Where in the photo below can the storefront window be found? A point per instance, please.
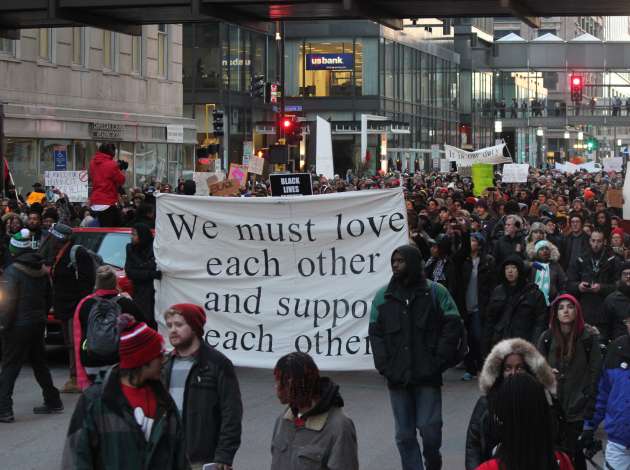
(327, 68)
(22, 160)
(55, 154)
(146, 163)
(125, 153)
(369, 65)
(208, 59)
(162, 159)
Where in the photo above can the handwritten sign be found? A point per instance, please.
(73, 184)
(238, 173)
(256, 165)
(515, 172)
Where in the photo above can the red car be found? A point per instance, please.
(111, 245)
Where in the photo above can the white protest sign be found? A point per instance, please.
(613, 164)
(626, 197)
(515, 173)
(74, 184)
(445, 166)
(464, 158)
(256, 165)
(567, 167)
(276, 275)
(201, 180)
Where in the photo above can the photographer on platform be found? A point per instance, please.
(106, 176)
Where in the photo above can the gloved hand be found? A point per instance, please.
(587, 439)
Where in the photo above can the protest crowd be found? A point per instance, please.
(526, 286)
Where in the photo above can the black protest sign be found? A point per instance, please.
(291, 184)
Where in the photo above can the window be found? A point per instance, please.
(45, 44)
(136, 54)
(109, 50)
(162, 39)
(78, 44)
(7, 47)
(329, 68)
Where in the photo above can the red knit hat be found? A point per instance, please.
(618, 231)
(139, 345)
(195, 316)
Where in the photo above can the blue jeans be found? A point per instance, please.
(617, 456)
(418, 408)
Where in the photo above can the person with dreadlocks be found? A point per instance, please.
(313, 431)
(522, 415)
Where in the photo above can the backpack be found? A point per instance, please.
(102, 335)
(462, 345)
(97, 260)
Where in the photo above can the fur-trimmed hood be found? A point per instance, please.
(536, 363)
(530, 250)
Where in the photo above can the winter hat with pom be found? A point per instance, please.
(139, 344)
(21, 242)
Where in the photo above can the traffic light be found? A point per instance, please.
(592, 144)
(258, 86)
(577, 87)
(291, 129)
(217, 122)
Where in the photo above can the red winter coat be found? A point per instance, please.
(563, 461)
(106, 179)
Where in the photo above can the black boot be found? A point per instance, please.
(7, 417)
(47, 409)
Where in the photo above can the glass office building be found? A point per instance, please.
(343, 69)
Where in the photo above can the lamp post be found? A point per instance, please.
(540, 134)
(567, 137)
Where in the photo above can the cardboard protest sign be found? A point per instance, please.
(74, 184)
(276, 275)
(614, 198)
(515, 173)
(256, 165)
(238, 173)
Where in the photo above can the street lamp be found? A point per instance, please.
(618, 142)
(540, 132)
(580, 135)
(498, 127)
(567, 135)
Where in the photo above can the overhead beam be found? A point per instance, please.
(77, 15)
(523, 12)
(13, 34)
(368, 10)
(229, 14)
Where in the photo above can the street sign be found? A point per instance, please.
(291, 184)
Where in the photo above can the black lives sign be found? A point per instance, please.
(291, 184)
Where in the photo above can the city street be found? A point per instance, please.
(36, 442)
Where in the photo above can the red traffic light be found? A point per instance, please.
(576, 81)
(286, 123)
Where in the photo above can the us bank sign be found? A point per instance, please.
(329, 61)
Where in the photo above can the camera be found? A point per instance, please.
(123, 165)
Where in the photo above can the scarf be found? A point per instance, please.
(543, 279)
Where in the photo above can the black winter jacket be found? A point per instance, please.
(141, 269)
(616, 309)
(586, 269)
(70, 285)
(514, 312)
(486, 281)
(573, 248)
(27, 291)
(414, 331)
(212, 407)
(506, 247)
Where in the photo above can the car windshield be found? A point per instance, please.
(113, 249)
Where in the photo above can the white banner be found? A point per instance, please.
(515, 173)
(613, 164)
(277, 275)
(74, 184)
(464, 158)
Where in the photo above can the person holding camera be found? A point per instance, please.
(592, 277)
(107, 177)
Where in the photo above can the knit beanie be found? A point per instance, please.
(540, 244)
(618, 231)
(138, 345)
(20, 242)
(195, 316)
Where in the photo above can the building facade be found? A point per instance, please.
(66, 90)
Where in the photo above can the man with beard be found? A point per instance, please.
(415, 330)
(617, 305)
(592, 278)
(34, 224)
(512, 243)
(576, 242)
(205, 389)
(313, 432)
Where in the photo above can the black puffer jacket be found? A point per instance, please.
(28, 294)
(141, 269)
(486, 282)
(616, 310)
(507, 247)
(212, 407)
(514, 311)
